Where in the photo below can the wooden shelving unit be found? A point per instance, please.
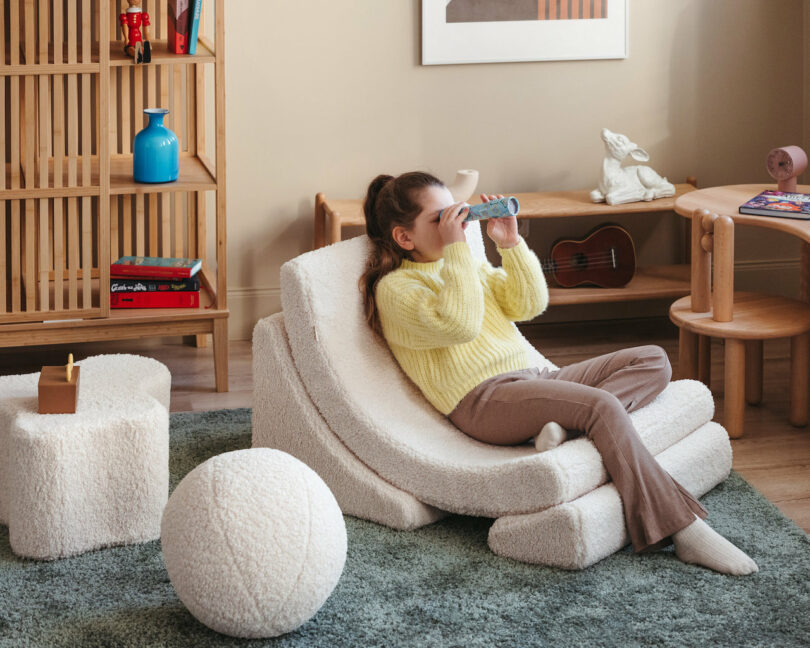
(650, 282)
(71, 104)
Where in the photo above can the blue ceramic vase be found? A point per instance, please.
(156, 152)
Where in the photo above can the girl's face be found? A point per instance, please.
(423, 239)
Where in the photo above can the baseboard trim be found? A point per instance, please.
(247, 306)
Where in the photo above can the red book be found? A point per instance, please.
(155, 300)
(178, 26)
(166, 267)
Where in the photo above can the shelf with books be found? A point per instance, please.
(55, 282)
(162, 56)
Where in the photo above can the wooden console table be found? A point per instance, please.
(651, 282)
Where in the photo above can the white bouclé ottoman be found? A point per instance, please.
(70, 483)
(254, 542)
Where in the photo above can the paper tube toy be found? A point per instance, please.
(501, 208)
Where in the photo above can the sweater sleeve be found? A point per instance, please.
(415, 315)
(519, 286)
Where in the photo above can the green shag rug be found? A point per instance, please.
(436, 586)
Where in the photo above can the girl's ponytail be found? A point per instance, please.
(372, 226)
(389, 202)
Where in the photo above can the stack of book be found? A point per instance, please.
(155, 282)
(184, 25)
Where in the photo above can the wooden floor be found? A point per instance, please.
(773, 455)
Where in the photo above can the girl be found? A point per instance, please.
(447, 318)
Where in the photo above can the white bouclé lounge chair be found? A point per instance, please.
(328, 391)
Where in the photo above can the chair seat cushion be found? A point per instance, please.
(381, 416)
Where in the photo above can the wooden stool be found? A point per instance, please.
(742, 320)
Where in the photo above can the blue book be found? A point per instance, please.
(194, 27)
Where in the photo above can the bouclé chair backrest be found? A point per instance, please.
(475, 240)
(358, 387)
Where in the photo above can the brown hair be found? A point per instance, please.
(389, 202)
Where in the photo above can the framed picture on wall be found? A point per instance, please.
(496, 31)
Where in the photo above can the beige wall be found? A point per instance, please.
(323, 95)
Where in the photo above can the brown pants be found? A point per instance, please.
(594, 397)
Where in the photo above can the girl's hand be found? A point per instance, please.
(452, 225)
(502, 231)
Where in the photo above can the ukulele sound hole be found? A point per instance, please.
(579, 261)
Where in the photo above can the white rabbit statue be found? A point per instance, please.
(621, 185)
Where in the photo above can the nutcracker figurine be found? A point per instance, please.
(135, 45)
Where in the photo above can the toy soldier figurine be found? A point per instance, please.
(135, 45)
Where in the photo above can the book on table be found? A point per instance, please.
(780, 204)
(155, 267)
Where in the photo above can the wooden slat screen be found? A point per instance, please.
(49, 145)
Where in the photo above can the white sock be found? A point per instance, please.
(552, 435)
(698, 543)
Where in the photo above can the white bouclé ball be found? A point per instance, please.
(254, 542)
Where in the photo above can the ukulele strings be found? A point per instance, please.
(597, 261)
(588, 264)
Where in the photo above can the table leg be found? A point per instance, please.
(688, 354)
(804, 284)
(705, 360)
(753, 372)
(734, 410)
(221, 354)
(799, 367)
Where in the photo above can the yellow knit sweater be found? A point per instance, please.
(449, 322)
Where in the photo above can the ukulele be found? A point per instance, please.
(606, 258)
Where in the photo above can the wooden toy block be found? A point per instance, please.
(59, 389)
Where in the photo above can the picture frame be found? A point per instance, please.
(498, 31)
